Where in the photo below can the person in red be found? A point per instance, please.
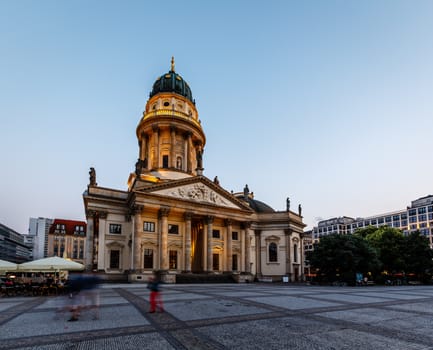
(155, 293)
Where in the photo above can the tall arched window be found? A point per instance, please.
(273, 252)
(295, 253)
(179, 163)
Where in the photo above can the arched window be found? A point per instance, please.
(273, 252)
(179, 163)
(295, 253)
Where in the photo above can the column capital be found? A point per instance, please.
(209, 219)
(228, 222)
(246, 225)
(173, 128)
(257, 233)
(288, 232)
(163, 211)
(90, 213)
(155, 128)
(188, 215)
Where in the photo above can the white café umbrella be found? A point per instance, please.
(7, 266)
(53, 263)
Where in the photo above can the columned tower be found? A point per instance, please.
(170, 137)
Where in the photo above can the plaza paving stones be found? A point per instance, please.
(228, 316)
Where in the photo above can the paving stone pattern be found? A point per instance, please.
(227, 316)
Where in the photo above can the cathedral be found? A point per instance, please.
(174, 220)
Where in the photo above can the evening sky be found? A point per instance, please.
(326, 102)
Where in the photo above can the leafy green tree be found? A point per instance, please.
(389, 244)
(418, 255)
(340, 257)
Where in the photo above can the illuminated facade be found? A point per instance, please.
(175, 220)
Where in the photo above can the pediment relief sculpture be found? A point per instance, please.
(197, 192)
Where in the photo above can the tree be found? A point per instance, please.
(418, 255)
(389, 243)
(340, 257)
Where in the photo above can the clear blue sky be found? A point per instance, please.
(327, 102)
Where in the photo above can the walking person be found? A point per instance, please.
(155, 293)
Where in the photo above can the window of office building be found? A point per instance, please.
(380, 221)
(81, 255)
(412, 219)
(421, 210)
(404, 216)
(388, 219)
(412, 212)
(430, 208)
(404, 223)
(422, 217)
(396, 217)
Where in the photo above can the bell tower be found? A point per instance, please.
(170, 137)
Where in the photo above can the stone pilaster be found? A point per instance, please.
(188, 217)
(209, 221)
(163, 215)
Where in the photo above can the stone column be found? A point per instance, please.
(100, 242)
(188, 217)
(209, 221)
(137, 254)
(163, 215)
(188, 153)
(229, 253)
(258, 253)
(247, 226)
(242, 257)
(172, 147)
(155, 163)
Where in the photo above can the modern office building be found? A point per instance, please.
(12, 246)
(173, 219)
(417, 216)
(38, 236)
(67, 239)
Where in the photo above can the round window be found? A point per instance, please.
(166, 104)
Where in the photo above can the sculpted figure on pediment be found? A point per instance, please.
(198, 192)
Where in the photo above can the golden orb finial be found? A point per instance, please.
(172, 63)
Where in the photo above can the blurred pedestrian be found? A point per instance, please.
(155, 293)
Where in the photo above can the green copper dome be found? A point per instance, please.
(172, 82)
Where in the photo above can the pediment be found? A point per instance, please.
(201, 192)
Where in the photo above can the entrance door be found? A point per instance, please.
(197, 246)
